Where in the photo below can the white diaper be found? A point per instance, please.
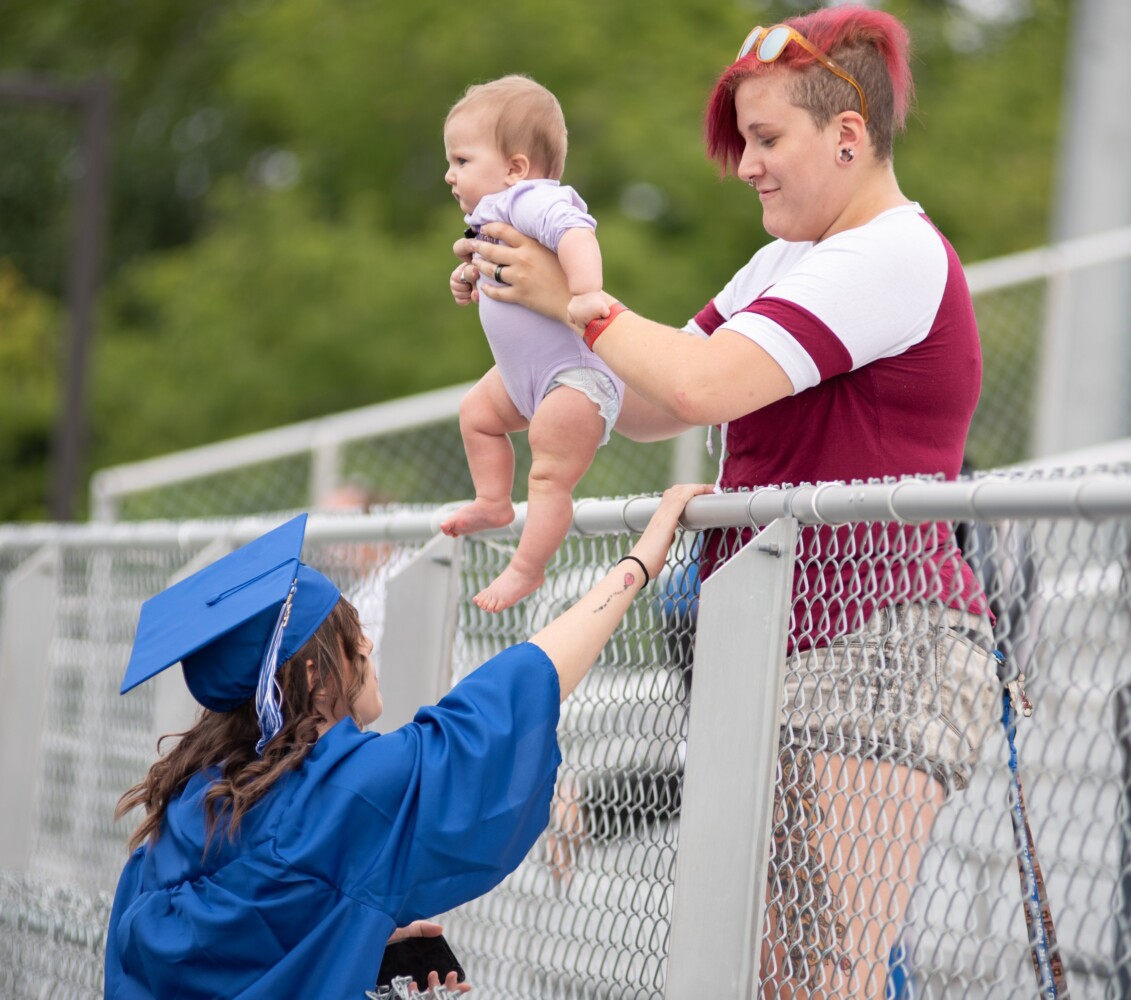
(594, 385)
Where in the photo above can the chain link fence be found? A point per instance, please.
(604, 904)
(1011, 321)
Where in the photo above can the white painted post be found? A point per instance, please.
(325, 469)
(421, 611)
(27, 626)
(1086, 355)
(687, 456)
(732, 748)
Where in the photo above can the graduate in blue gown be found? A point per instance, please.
(282, 846)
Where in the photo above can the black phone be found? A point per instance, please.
(417, 957)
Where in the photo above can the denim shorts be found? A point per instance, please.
(916, 686)
(594, 385)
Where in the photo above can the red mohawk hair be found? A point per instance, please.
(870, 44)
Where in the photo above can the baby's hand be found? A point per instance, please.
(583, 309)
(463, 289)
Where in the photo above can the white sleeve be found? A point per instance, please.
(864, 294)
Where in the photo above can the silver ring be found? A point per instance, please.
(462, 275)
(499, 273)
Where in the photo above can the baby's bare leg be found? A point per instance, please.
(564, 435)
(486, 416)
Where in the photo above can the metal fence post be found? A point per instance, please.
(27, 627)
(728, 784)
(1121, 957)
(105, 504)
(421, 612)
(687, 456)
(325, 469)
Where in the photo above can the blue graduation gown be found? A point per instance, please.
(371, 833)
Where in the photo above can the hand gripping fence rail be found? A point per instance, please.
(793, 768)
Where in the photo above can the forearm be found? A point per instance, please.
(695, 381)
(690, 380)
(574, 640)
(663, 366)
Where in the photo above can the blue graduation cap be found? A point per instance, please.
(232, 623)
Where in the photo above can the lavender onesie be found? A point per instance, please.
(531, 350)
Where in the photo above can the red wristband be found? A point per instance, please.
(597, 326)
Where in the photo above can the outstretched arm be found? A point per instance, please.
(688, 379)
(575, 638)
(694, 381)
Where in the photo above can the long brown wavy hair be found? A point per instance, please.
(227, 739)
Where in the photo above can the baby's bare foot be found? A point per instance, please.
(477, 516)
(509, 587)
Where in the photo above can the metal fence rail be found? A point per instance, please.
(664, 794)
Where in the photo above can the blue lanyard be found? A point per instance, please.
(1038, 915)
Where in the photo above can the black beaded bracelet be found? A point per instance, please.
(643, 569)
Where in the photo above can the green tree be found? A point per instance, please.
(280, 230)
(29, 321)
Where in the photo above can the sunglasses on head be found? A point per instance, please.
(768, 44)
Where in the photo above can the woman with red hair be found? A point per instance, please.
(846, 349)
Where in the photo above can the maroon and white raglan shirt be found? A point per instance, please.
(875, 328)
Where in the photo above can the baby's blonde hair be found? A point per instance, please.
(527, 119)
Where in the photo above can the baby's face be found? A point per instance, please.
(475, 165)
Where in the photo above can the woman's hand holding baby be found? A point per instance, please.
(534, 277)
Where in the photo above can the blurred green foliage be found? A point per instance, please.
(29, 338)
(280, 231)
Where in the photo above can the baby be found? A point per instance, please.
(506, 145)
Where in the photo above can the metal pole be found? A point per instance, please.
(1086, 357)
(82, 291)
(93, 100)
(1121, 957)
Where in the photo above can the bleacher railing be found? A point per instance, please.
(409, 450)
(651, 880)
